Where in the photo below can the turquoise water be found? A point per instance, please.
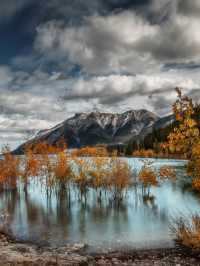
(138, 222)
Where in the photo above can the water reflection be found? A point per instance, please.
(138, 220)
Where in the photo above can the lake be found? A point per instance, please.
(137, 222)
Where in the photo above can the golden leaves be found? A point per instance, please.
(148, 177)
(182, 139)
(167, 172)
(186, 137)
(9, 169)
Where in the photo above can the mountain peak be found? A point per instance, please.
(98, 128)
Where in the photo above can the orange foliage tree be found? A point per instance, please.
(148, 177)
(194, 167)
(81, 177)
(30, 166)
(186, 135)
(167, 173)
(62, 170)
(144, 153)
(9, 169)
(91, 152)
(119, 178)
(46, 161)
(98, 173)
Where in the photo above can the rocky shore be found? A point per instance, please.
(14, 253)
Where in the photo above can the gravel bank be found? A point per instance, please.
(13, 253)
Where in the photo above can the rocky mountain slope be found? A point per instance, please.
(89, 129)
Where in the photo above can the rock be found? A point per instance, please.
(77, 247)
(22, 248)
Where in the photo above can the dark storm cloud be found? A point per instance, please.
(68, 10)
(9, 8)
(20, 18)
(187, 66)
(189, 7)
(195, 94)
(109, 91)
(59, 57)
(160, 102)
(174, 41)
(76, 9)
(112, 42)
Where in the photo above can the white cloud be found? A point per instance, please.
(104, 44)
(122, 42)
(123, 57)
(39, 101)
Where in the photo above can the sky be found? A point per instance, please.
(61, 57)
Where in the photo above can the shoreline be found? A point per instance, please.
(13, 252)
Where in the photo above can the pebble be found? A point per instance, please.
(16, 254)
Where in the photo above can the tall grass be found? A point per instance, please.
(187, 231)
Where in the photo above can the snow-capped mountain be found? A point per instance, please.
(88, 129)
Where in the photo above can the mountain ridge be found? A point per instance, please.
(100, 128)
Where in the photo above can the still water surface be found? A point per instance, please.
(137, 222)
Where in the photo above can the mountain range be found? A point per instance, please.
(97, 128)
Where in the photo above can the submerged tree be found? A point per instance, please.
(62, 170)
(99, 174)
(81, 177)
(167, 173)
(30, 166)
(9, 169)
(148, 177)
(119, 178)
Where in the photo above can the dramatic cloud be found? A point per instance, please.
(122, 42)
(115, 89)
(107, 55)
(178, 40)
(191, 7)
(104, 44)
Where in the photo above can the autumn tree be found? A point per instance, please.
(148, 177)
(193, 167)
(81, 176)
(9, 169)
(98, 173)
(30, 166)
(62, 170)
(186, 135)
(119, 178)
(167, 173)
(185, 139)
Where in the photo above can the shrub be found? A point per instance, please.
(187, 232)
